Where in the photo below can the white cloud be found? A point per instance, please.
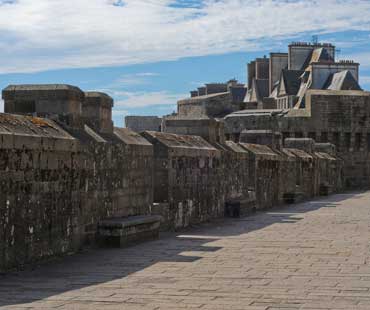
(133, 79)
(39, 35)
(365, 80)
(146, 99)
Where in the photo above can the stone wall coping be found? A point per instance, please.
(121, 223)
(201, 98)
(259, 149)
(181, 141)
(35, 91)
(31, 126)
(130, 137)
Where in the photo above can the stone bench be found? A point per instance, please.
(120, 232)
(240, 206)
(325, 190)
(293, 197)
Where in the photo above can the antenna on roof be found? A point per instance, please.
(315, 39)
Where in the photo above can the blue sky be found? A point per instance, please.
(147, 54)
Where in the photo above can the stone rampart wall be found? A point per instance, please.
(339, 117)
(58, 183)
(56, 187)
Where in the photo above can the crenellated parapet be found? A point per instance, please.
(70, 178)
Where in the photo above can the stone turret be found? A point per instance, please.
(97, 111)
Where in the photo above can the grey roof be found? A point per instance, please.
(262, 88)
(238, 93)
(320, 55)
(258, 112)
(317, 55)
(343, 80)
(292, 81)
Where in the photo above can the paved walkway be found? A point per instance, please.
(309, 256)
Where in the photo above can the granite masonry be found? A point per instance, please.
(69, 178)
(299, 128)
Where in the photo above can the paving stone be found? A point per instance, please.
(256, 263)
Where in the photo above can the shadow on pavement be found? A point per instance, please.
(84, 270)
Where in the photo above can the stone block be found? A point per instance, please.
(120, 232)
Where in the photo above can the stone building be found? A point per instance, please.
(282, 80)
(329, 116)
(304, 93)
(214, 99)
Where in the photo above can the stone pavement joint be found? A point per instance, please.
(313, 255)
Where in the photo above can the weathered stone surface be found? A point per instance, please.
(186, 171)
(338, 117)
(208, 128)
(60, 101)
(142, 123)
(55, 187)
(60, 181)
(128, 230)
(97, 111)
(214, 105)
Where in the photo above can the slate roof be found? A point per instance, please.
(238, 93)
(292, 81)
(320, 55)
(262, 87)
(343, 80)
(250, 112)
(317, 55)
